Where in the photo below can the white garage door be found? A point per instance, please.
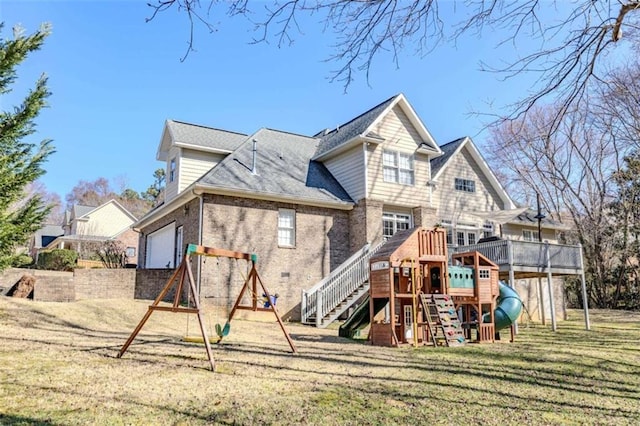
(161, 248)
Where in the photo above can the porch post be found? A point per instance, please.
(512, 280)
(319, 312)
(585, 297)
(543, 315)
(552, 304)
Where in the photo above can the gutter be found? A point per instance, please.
(338, 205)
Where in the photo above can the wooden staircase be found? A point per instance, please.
(440, 315)
(342, 288)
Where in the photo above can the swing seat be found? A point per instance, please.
(223, 331)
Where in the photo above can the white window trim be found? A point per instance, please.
(173, 168)
(397, 167)
(533, 235)
(395, 219)
(292, 228)
(466, 185)
(453, 229)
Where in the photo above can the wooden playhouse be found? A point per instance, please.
(423, 299)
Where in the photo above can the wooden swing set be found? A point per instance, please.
(183, 273)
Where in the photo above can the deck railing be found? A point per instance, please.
(327, 294)
(527, 253)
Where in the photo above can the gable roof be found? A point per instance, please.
(284, 171)
(362, 127)
(351, 129)
(198, 137)
(80, 210)
(46, 234)
(447, 152)
(452, 148)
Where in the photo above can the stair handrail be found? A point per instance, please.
(331, 289)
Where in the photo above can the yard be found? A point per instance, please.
(59, 366)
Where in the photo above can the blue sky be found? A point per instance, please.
(115, 79)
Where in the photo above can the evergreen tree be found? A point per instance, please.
(20, 161)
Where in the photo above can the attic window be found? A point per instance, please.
(398, 167)
(172, 170)
(465, 185)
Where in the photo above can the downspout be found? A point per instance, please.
(366, 174)
(200, 220)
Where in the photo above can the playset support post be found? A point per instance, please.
(184, 271)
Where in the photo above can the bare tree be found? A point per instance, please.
(100, 191)
(571, 170)
(112, 254)
(574, 39)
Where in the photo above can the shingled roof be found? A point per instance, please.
(447, 152)
(284, 169)
(206, 137)
(351, 129)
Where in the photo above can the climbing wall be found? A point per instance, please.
(442, 319)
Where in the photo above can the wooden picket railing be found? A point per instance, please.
(335, 288)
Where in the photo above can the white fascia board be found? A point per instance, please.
(413, 118)
(161, 154)
(201, 148)
(181, 199)
(231, 192)
(355, 141)
(118, 205)
(456, 152)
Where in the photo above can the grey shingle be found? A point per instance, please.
(351, 129)
(80, 210)
(206, 137)
(447, 151)
(528, 218)
(284, 168)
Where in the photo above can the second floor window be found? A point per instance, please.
(398, 167)
(530, 235)
(487, 230)
(465, 185)
(172, 170)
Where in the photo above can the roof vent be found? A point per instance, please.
(255, 155)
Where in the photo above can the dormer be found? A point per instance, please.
(189, 151)
(384, 153)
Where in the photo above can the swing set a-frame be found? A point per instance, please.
(184, 274)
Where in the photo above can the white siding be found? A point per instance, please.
(401, 136)
(171, 188)
(453, 204)
(194, 164)
(106, 221)
(348, 169)
(513, 231)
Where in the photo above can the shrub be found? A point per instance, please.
(57, 260)
(22, 261)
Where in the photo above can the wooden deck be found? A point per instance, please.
(527, 259)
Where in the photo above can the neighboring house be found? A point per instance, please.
(83, 226)
(43, 237)
(307, 204)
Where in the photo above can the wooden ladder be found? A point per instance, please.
(440, 313)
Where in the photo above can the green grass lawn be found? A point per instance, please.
(59, 366)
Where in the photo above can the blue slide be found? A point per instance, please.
(508, 309)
